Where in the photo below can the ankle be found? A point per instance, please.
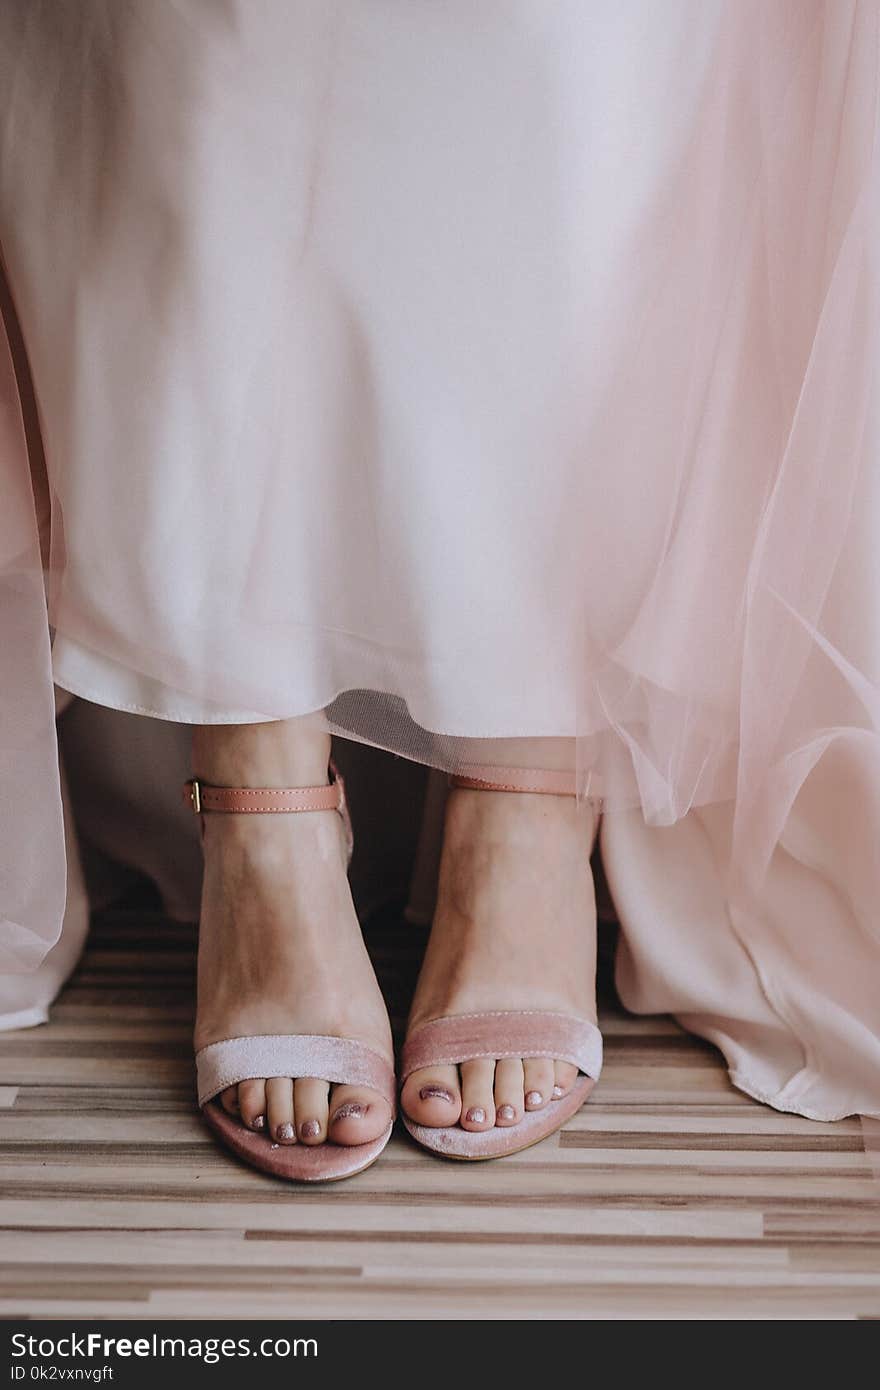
(517, 822)
(280, 753)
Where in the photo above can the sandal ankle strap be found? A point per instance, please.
(204, 796)
(554, 783)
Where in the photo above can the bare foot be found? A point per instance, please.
(514, 928)
(280, 946)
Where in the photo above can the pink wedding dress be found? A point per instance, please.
(498, 382)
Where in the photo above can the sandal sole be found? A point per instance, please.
(472, 1146)
(305, 1163)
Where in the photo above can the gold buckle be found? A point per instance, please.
(195, 795)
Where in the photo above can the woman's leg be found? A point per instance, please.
(280, 946)
(514, 928)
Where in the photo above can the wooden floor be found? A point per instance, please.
(670, 1195)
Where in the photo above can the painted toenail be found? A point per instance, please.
(350, 1111)
(476, 1115)
(557, 1092)
(258, 1122)
(534, 1098)
(284, 1131)
(436, 1093)
(309, 1128)
(506, 1112)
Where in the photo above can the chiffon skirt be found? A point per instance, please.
(498, 385)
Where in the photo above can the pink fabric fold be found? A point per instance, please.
(33, 877)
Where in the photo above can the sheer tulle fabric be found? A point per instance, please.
(498, 384)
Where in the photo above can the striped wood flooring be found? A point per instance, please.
(671, 1195)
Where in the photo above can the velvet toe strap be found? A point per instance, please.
(504, 1033)
(343, 1061)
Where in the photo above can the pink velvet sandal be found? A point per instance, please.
(497, 1034)
(343, 1061)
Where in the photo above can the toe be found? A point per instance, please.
(279, 1109)
(357, 1115)
(432, 1097)
(477, 1095)
(252, 1104)
(229, 1100)
(538, 1080)
(509, 1098)
(310, 1108)
(565, 1075)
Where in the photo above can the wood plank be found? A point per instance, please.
(670, 1195)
